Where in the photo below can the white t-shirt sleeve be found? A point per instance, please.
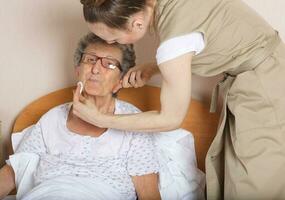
(32, 141)
(175, 47)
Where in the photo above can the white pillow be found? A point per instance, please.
(18, 136)
(179, 176)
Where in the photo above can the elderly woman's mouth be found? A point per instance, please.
(94, 80)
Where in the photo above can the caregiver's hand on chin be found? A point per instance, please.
(85, 108)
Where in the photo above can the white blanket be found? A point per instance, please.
(71, 188)
(63, 187)
(180, 179)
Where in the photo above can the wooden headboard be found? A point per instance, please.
(198, 121)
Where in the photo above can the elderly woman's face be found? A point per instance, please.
(99, 69)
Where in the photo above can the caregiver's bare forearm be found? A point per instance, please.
(170, 117)
(151, 121)
(7, 180)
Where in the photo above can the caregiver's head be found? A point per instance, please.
(101, 65)
(122, 21)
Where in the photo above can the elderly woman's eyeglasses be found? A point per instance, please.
(108, 63)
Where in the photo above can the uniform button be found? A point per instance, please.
(213, 157)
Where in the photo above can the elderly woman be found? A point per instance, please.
(64, 157)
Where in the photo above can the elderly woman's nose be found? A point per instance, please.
(96, 67)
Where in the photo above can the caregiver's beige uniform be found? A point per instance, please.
(247, 158)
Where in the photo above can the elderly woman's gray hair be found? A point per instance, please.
(128, 52)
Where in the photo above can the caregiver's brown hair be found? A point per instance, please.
(113, 13)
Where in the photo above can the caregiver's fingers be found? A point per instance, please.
(139, 80)
(77, 97)
(132, 79)
(126, 78)
(76, 94)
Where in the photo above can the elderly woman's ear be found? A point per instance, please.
(77, 71)
(117, 87)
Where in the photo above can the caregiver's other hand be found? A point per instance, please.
(139, 75)
(85, 108)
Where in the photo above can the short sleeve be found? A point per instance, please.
(142, 158)
(177, 46)
(33, 141)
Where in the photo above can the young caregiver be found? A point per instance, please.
(247, 157)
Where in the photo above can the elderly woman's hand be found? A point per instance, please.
(139, 75)
(85, 108)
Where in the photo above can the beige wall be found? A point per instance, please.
(37, 42)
